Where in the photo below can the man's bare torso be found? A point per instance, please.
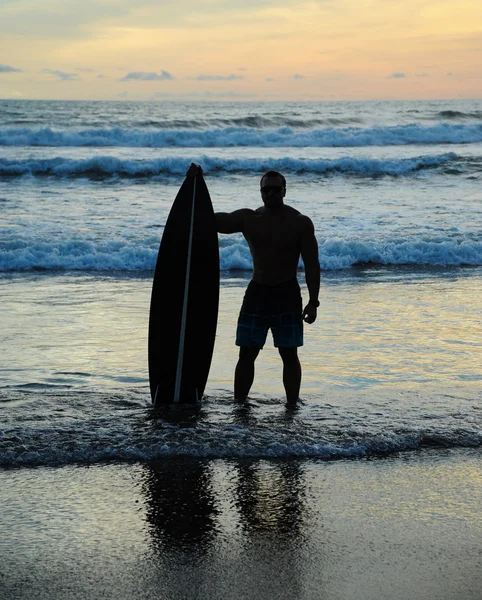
(277, 235)
(274, 238)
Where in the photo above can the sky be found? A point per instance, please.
(240, 49)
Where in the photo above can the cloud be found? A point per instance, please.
(8, 69)
(100, 76)
(218, 77)
(298, 76)
(62, 75)
(397, 76)
(147, 76)
(82, 70)
(449, 74)
(269, 79)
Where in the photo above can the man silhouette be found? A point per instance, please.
(277, 235)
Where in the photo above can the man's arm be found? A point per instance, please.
(231, 222)
(309, 254)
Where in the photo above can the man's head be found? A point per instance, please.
(273, 189)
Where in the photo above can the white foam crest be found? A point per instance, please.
(234, 256)
(138, 255)
(441, 133)
(337, 253)
(108, 166)
(77, 254)
(93, 442)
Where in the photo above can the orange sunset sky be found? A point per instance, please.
(240, 49)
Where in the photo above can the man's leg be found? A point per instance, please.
(291, 373)
(244, 374)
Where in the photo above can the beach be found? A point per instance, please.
(399, 527)
(370, 487)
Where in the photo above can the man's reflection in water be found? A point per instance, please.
(270, 494)
(270, 500)
(270, 497)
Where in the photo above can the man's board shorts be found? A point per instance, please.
(276, 307)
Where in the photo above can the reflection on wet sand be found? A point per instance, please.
(181, 510)
(189, 502)
(180, 507)
(270, 500)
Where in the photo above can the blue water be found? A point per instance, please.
(393, 362)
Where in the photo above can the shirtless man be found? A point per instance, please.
(277, 235)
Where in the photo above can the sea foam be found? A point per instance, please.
(108, 166)
(140, 255)
(92, 441)
(222, 137)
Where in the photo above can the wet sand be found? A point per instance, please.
(408, 526)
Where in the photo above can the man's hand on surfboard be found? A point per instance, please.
(194, 170)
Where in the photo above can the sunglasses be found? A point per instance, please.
(276, 189)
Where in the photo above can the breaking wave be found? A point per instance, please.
(19, 253)
(253, 136)
(110, 428)
(107, 167)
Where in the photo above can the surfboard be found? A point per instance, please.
(185, 298)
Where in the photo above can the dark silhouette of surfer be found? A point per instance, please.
(277, 235)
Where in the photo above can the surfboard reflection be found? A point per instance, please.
(180, 510)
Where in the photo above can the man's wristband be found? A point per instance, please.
(315, 303)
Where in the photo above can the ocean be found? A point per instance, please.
(391, 394)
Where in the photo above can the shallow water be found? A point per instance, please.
(392, 363)
(369, 488)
